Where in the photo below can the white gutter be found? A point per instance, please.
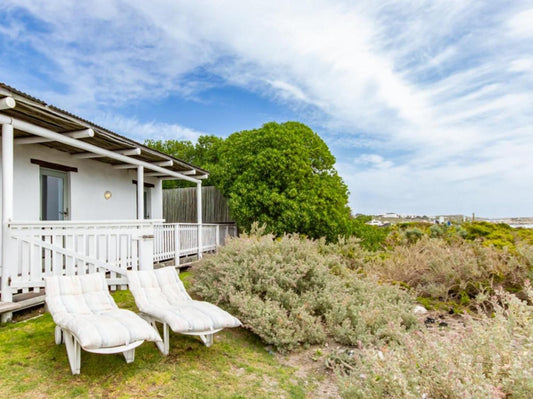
(49, 134)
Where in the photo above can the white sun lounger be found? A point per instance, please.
(87, 318)
(161, 297)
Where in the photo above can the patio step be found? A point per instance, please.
(22, 301)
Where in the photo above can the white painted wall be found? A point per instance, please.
(87, 187)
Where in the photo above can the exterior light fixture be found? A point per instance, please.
(107, 195)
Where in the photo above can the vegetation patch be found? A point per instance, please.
(443, 269)
(236, 366)
(491, 358)
(291, 292)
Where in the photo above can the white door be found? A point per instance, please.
(54, 195)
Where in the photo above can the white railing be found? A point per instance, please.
(175, 240)
(38, 249)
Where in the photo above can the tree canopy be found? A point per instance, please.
(281, 175)
(204, 154)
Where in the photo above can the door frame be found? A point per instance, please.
(66, 190)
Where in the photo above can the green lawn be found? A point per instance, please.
(236, 366)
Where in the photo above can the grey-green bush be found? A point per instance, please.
(491, 358)
(291, 292)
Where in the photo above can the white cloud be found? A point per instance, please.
(288, 91)
(373, 160)
(141, 131)
(521, 24)
(522, 65)
(445, 83)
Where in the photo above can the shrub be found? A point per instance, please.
(353, 254)
(413, 234)
(437, 230)
(491, 358)
(361, 311)
(371, 237)
(455, 270)
(525, 235)
(499, 235)
(291, 291)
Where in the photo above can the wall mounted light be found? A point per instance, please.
(107, 195)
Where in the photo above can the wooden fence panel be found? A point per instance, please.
(179, 206)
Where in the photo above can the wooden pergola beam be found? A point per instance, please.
(87, 155)
(78, 134)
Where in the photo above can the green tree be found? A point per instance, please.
(203, 154)
(282, 175)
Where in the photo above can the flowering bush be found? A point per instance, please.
(291, 292)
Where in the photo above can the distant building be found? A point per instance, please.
(390, 215)
(375, 222)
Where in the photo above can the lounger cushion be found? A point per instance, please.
(161, 294)
(83, 306)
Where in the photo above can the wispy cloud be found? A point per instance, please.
(446, 84)
(141, 131)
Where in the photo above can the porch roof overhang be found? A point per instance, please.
(36, 122)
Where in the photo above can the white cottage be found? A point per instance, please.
(77, 198)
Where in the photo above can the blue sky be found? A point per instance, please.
(426, 105)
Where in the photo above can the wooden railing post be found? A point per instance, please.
(146, 248)
(199, 217)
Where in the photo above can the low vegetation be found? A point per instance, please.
(290, 292)
(344, 303)
(442, 271)
(294, 292)
(492, 357)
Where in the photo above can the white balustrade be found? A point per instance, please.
(175, 240)
(38, 249)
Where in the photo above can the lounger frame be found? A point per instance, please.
(164, 347)
(72, 344)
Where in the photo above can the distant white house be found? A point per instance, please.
(77, 198)
(390, 215)
(375, 222)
